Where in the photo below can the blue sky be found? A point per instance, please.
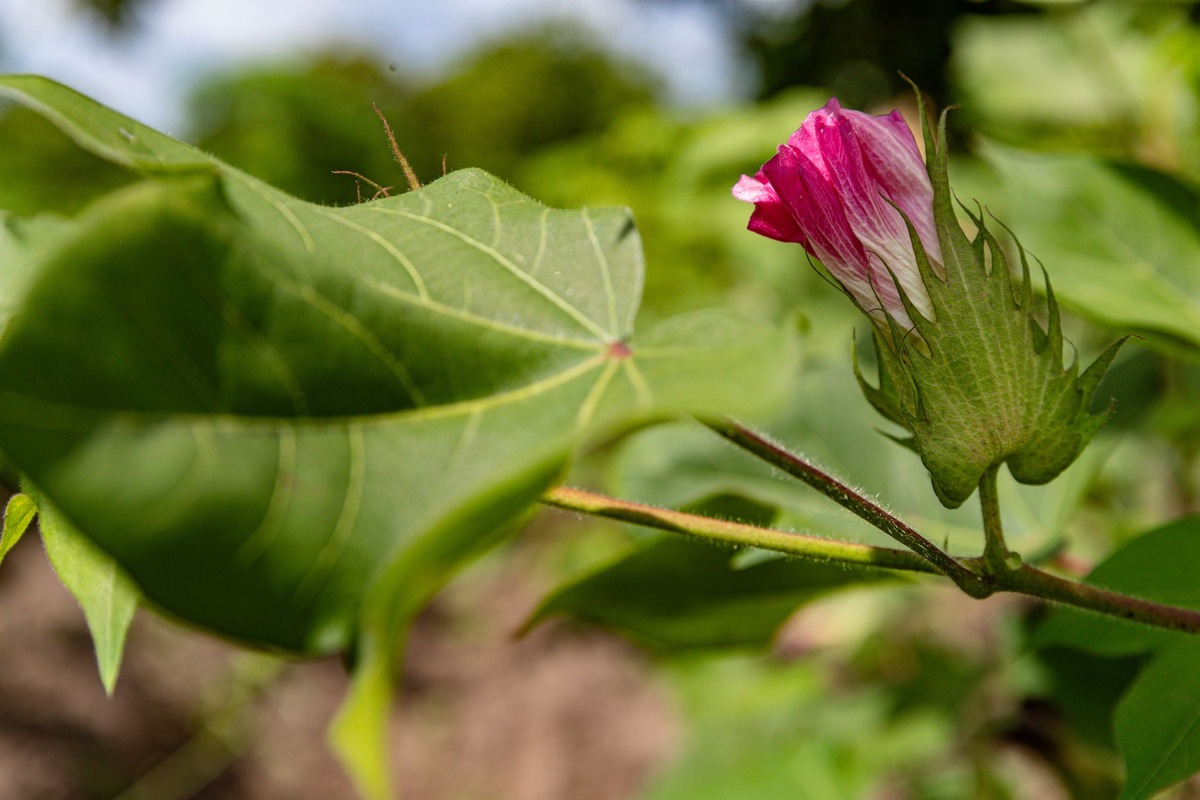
(146, 75)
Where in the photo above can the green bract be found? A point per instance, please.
(982, 383)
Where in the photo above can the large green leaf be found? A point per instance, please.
(260, 405)
(1122, 241)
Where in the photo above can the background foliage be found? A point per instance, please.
(1079, 126)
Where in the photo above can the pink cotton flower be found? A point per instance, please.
(834, 187)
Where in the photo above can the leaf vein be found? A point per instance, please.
(343, 529)
(351, 325)
(546, 292)
(403, 260)
(605, 273)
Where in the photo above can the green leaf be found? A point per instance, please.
(676, 594)
(278, 447)
(1158, 722)
(292, 423)
(21, 243)
(1123, 241)
(19, 512)
(1159, 565)
(297, 395)
(108, 597)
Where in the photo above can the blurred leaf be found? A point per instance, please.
(851, 46)
(1159, 565)
(19, 512)
(22, 242)
(119, 15)
(1087, 688)
(1111, 78)
(677, 594)
(831, 423)
(771, 731)
(293, 126)
(1158, 722)
(1121, 242)
(106, 594)
(1023, 72)
(517, 96)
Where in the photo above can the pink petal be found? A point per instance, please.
(771, 217)
(892, 155)
(818, 211)
(877, 224)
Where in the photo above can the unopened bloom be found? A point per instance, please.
(981, 382)
(835, 187)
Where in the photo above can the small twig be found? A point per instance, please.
(380, 191)
(735, 533)
(1024, 580)
(1034, 582)
(413, 182)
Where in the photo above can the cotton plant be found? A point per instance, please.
(291, 425)
(965, 367)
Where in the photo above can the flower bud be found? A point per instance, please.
(964, 365)
(838, 187)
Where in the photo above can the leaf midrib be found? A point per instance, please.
(72, 412)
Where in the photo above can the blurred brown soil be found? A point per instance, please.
(560, 713)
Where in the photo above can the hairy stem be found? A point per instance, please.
(1024, 580)
(1034, 582)
(970, 582)
(735, 533)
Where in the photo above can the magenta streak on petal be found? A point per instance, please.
(842, 186)
(892, 155)
(878, 225)
(771, 217)
(807, 194)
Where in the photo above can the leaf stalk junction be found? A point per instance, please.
(997, 570)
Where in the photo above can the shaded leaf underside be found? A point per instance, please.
(256, 403)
